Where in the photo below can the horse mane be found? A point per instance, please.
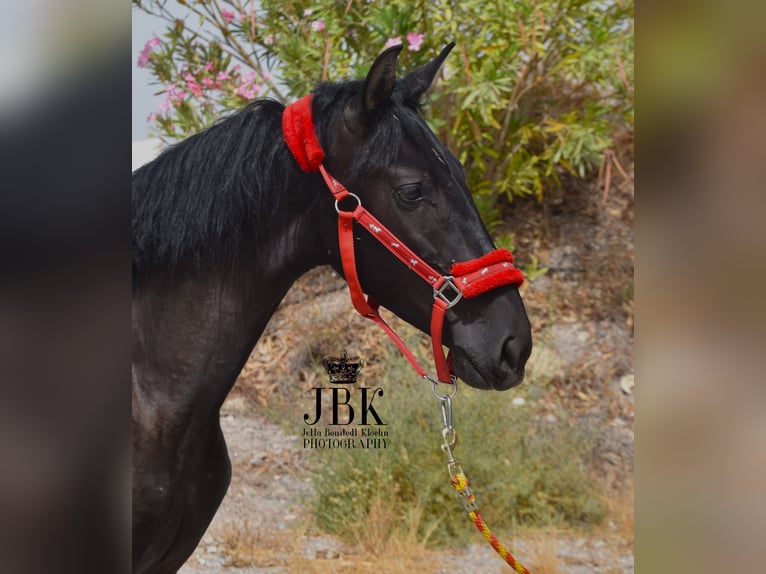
(202, 197)
(203, 194)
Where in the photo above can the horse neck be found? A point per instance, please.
(212, 315)
(284, 253)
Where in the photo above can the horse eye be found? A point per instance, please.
(411, 192)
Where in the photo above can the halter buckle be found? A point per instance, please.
(440, 294)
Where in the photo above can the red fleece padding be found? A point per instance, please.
(505, 277)
(496, 256)
(485, 273)
(300, 136)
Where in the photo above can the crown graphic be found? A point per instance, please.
(343, 370)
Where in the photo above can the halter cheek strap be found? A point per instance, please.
(466, 280)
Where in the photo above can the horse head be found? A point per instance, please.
(379, 146)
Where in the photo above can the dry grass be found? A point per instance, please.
(621, 513)
(363, 564)
(384, 545)
(384, 533)
(243, 545)
(543, 553)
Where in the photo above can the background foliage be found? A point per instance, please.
(534, 89)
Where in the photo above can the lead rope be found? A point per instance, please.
(459, 481)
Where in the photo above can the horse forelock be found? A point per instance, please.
(402, 122)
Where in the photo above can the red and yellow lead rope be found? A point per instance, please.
(460, 483)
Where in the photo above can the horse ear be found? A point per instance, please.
(380, 81)
(416, 83)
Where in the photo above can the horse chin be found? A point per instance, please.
(498, 378)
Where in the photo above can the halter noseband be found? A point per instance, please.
(466, 280)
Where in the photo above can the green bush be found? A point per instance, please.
(522, 469)
(535, 88)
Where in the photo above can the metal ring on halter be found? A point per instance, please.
(355, 196)
(434, 382)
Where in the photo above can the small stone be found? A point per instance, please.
(627, 383)
(258, 458)
(518, 401)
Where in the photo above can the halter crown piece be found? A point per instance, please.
(300, 135)
(467, 279)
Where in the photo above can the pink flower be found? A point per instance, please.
(307, 12)
(208, 82)
(414, 40)
(150, 117)
(174, 96)
(209, 67)
(191, 84)
(143, 57)
(393, 42)
(248, 91)
(223, 75)
(228, 16)
(317, 25)
(194, 88)
(268, 39)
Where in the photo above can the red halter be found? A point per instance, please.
(467, 279)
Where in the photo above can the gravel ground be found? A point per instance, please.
(268, 497)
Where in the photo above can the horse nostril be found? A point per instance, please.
(516, 351)
(510, 354)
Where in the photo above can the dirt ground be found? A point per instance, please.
(582, 317)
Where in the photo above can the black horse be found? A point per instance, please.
(224, 223)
